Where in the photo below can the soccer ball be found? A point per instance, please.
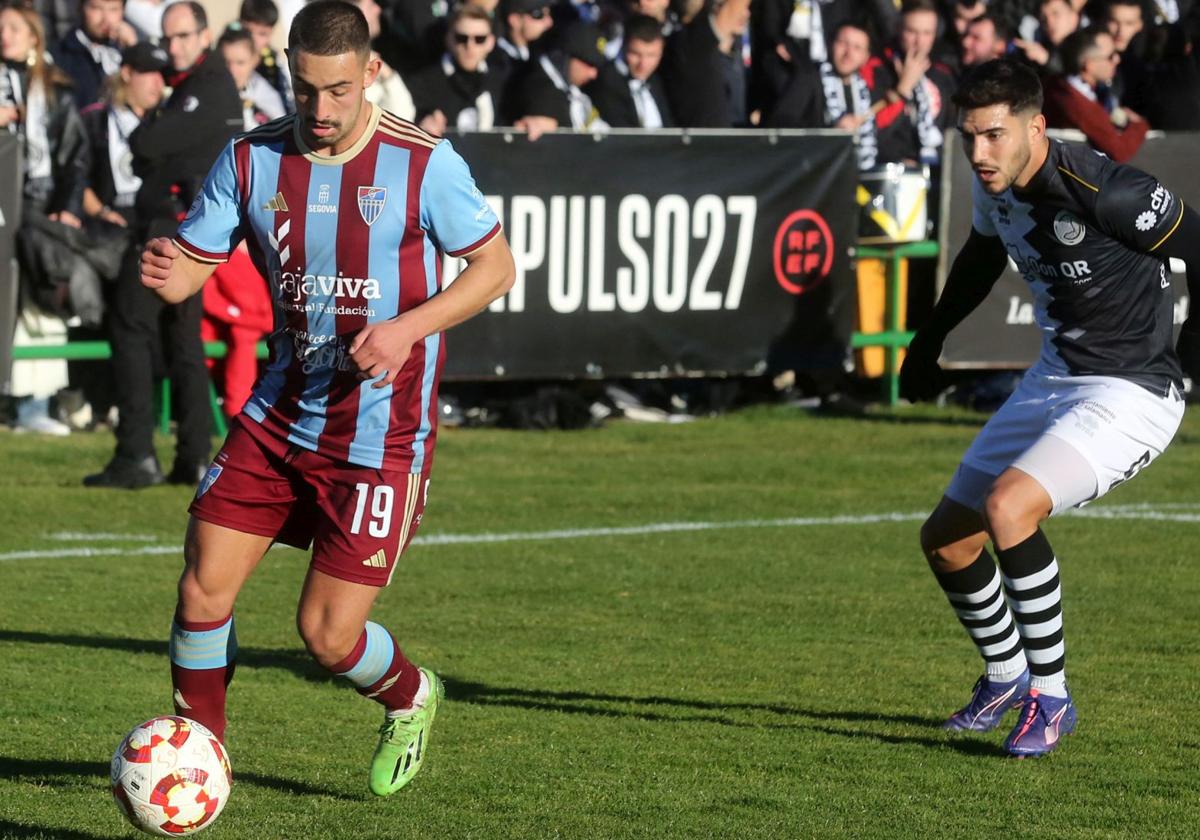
(171, 776)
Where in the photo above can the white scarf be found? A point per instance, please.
(927, 131)
(37, 139)
(121, 123)
(805, 24)
(643, 100)
(108, 57)
(836, 107)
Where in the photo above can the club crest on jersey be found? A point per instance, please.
(210, 478)
(1068, 229)
(370, 202)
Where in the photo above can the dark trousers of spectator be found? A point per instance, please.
(143, 328)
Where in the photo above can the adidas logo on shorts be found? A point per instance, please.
(378, 560)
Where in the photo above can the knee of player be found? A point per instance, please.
(1007, 506)
(323, 642)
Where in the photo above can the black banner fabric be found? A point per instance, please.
(1001, 333)
(662, 254)
(10, 219)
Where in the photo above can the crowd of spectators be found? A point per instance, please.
(120, 106)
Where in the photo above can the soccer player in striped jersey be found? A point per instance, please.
(348, 211)
(1093, 239)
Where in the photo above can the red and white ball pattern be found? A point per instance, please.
(171, 776)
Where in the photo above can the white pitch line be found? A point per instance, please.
(80, 536)
(1115, 512)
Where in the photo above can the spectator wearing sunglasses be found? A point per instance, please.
(1083, 97)
(461, 91)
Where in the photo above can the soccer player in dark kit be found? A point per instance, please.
(348, 211)
(1093, 239)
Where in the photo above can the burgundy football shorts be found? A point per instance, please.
(358, 519)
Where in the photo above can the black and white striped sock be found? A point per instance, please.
(1031, 581)
(977, 597)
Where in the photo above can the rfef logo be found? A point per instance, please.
(803, 251)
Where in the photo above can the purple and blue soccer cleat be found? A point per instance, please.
(1044, 720)
(989, 702)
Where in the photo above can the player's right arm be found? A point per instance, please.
(974, 273)
(171, 273)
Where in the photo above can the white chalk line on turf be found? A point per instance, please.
(1169, 512)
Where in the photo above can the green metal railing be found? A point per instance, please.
(893, 338)
(76, 351)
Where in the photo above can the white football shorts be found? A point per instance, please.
(1077, 436)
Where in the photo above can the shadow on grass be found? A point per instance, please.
(39, 769)
(15, 830)
(874, 726)
(655, 709)
(297, 662)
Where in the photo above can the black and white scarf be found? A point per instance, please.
(480, 115)
(33, 128)
(584, 116)
(121, 123)
(836, 107)
(929, 135)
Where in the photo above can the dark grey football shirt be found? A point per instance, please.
(1085, 234)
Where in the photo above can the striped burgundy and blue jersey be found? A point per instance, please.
(344, 241)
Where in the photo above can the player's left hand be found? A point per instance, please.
(380, 351)
(1188, 350)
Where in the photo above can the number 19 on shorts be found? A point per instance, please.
(381, 500)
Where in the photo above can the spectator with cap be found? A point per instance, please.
(91, 52)
(463, 90)
(261, 103)
(1083, 98)
(629, 92)
(523, 26)
(260, 18)
(108, 205)
(553, 95)
(173, 149)
(705, 69)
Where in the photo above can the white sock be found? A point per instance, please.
(1053, 686)
(418, 699)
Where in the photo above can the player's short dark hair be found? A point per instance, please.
(1001, 81)
(263, 12)
(330, 27)
(1076, 47)
(642, 28)
(235, 34)
(198, 13)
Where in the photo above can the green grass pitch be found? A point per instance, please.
(774, 680)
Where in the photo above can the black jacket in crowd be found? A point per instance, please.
(433, 89)
(177, 144)
(76, 61)
(611, 95)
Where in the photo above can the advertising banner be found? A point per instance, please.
(664, 254)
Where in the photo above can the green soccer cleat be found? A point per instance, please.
(403, 741)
